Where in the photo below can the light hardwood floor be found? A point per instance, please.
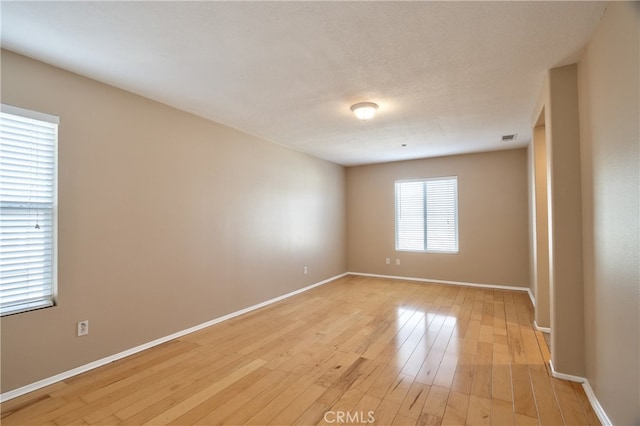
(409, 353)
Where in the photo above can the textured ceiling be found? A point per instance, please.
(450, 77)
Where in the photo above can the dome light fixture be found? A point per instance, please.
(364, 110)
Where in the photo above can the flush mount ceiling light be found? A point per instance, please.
(364, 110)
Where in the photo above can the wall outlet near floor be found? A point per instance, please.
(83, 328)
(388, 260)
(397, 261)
(305, 270)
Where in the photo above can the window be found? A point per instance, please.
(28, 151)
(427, 215)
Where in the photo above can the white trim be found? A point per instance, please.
(591, 396)
(543, 329)
(494, 286)
(34, 115)
(564, 376)
(95, 364)
(533, 299)
(595, 404)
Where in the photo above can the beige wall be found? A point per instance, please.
(609, 116)
(557, 109)
(492, 199)
(565, 221)
(532, 220)
(542, 314)
(166, 220)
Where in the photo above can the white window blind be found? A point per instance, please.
(28, 146)
(427, 215)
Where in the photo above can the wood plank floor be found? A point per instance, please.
(356, 350)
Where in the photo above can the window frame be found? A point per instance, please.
(424, 220)
(55, 120)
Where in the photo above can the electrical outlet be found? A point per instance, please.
(388, 260)
(397, 261)
(305, 270)
(83, 328)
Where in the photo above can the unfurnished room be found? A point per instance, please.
(318, 213)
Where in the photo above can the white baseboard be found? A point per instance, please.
(595, 404)
(533, 299)
(564, 376)
(494, 286)
(543, 329)
(95, 364)
(602, 416)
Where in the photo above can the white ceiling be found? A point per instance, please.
(450, 77)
